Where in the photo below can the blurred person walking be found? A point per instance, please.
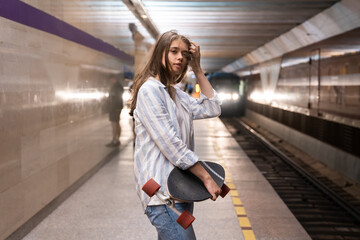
(115, 105)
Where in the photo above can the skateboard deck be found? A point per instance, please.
(184, 186)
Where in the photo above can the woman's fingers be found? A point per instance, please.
(194, 48)
(212, 188)
(216, 194)
(195, 53)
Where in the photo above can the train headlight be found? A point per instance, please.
(228, 96)
(225, 96)
(235, 96)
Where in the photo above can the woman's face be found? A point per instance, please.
(178, 56)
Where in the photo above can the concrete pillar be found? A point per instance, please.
(142, 48)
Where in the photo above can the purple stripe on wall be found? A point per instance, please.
(23, 13)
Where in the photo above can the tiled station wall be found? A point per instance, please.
(49, 137)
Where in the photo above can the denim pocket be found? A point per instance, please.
(164, 220)
(148, 211)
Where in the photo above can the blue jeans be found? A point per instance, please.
(164, 219)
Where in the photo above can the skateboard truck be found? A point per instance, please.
(151, 188)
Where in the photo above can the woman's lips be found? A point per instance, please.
(178, 65)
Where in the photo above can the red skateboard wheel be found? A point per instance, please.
(185, 219)
(151, 187)
(224, 190)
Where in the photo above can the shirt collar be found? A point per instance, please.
(161, 85)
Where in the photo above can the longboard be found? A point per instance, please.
(183, 186)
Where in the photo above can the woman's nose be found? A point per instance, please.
(180, 56)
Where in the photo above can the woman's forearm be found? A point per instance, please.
(205, 86)
(204, 83)
(198, 170)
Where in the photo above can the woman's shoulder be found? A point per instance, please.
(151, 85)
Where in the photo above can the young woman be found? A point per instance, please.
(164, 129)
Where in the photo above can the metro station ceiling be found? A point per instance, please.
(225, 30)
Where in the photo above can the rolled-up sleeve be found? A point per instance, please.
(205, 107)
(153, 114)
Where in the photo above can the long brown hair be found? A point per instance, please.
(154, 67)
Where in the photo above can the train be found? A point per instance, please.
(231, 92)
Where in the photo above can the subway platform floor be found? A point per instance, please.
(107, 207)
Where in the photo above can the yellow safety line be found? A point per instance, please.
(240, 210)
(244, 222)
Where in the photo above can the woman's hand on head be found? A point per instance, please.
(194, 51)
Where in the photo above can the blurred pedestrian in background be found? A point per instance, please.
(115, 105)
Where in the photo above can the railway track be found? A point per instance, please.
(320, 209)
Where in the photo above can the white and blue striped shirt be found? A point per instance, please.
(162, 141)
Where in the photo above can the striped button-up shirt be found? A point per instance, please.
(159, 144)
